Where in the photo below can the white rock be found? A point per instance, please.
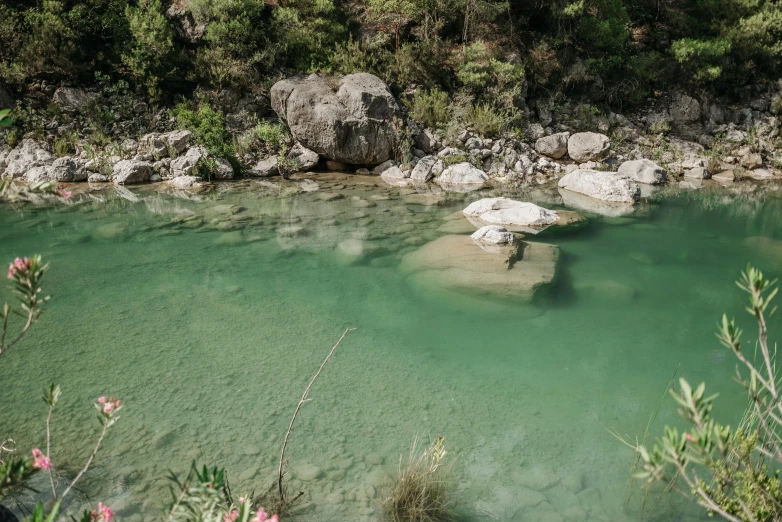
(265, 168)
(131, 171)
(178, 140)
(697, 173)
(588, 146)
(493, 234)
(462, 173)
(185, 181)
(185, 165)
(643, 171)
(24, 157)
(606, 186)
(504, 211)
(423, 170)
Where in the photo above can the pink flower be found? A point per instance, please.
(242, 500)
(232, 516)
(263, 516)
(20, 264)
(104, 513)
(41, 461)
(109, 405)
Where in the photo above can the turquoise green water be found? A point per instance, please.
(208, 321)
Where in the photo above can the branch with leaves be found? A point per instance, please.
(730, 471)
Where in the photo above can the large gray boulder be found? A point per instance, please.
(462, 173)
(606, 186)
(29, 154)
(588, 146)
(71, 99)
(643, 171)
(126, 172)
(554, 146)
(345, 120)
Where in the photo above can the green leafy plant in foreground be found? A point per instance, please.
(732, 472)
(5, 118)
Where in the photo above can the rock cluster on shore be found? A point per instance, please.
(353, 124)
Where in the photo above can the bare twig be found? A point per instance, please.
(49, 448)
(296, 412)
(89, 460)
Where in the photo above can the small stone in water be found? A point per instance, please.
(374, 459)
(308, 472)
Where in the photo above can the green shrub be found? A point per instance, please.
(486, 120)
(208, 128)
(272, 136)
(151, 45)
(429, 108)
(66, 144)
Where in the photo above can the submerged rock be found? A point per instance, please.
(457, 263)
(606, 186)
(595, 206)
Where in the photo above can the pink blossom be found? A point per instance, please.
(242, 500)
(263, 516)
(104, 513)
(109, 405)
(20, 264)
(41, 461)
(232, 516)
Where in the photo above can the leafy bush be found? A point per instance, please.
(486, 120)
(272, 136)
(732, 473)
(429, 108)
(208, 128)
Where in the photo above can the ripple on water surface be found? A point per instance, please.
(209, 316)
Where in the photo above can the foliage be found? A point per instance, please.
(26, 275)
(208, 128)
(152, 44)
(486, 120)
(420, 489)
(732, 472)
(272, 137)
(402, 136)
(429, 108)
(5, 118)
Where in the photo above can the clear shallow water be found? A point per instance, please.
(209, 320)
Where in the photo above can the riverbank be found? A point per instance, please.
(689, 140)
